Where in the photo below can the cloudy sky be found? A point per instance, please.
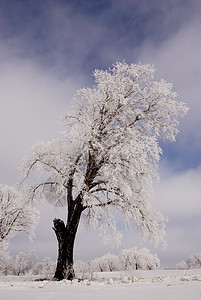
(48, 50)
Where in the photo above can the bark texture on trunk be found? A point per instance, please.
(66, 238)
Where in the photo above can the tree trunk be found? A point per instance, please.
(66, 238)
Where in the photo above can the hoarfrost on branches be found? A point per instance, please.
(192, 262)
(5, 263)
(134, 259)
(109, 263)
(16, 215)
(108, 156)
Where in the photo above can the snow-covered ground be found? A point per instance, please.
(140, 285)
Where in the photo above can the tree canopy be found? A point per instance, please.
(107, 157)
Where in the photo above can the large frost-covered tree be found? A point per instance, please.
(108, 155)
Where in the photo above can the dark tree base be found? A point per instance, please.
(66, 237)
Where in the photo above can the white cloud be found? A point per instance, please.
(178, 195)
(32, 101)
(178, 61)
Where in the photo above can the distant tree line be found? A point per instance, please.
(192, 262)
(127, 260)
(26, 264)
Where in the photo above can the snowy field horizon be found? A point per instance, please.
(141, 285)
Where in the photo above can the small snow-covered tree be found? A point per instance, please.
(45, 268)
(20, 264)
(16, 215)
(81, 268)
(129, 259)
(146, 260)
(182, 266)
(134, 259)
(24, 263)
(48, 267)
(108, 156)
(6, 264)
(111, 262)
(98, 265)
(192, 262)
(31, 258)
(37, 269)
(107, 262)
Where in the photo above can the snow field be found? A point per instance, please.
(159, 284)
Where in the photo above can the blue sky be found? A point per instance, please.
(48, 50)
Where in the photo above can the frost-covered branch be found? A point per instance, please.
(16, 214)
